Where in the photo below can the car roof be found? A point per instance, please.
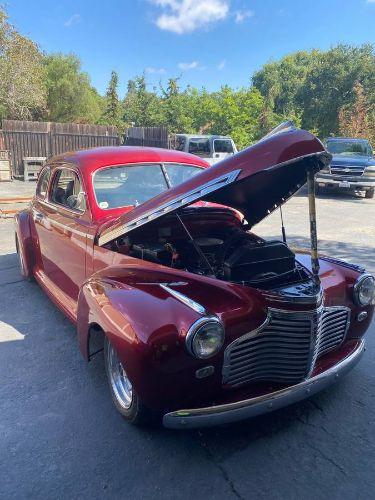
(202, 136)
(90, 160)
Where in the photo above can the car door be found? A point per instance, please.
(62, 226)
(38, 229)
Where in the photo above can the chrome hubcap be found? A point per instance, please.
(120, 383)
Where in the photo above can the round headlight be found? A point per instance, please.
(205, 338)
(364, 290)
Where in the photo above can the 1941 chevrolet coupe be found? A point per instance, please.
(201, 321)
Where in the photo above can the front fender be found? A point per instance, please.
(24, 243)
(147, 325)
(146, 330)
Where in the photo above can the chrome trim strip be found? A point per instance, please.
(68, 228)
(184, 299)
(240, 410)
(179, 202)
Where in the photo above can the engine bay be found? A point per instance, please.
(217, 244)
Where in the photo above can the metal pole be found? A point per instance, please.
(313, 232)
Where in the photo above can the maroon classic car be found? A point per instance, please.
(152, 255)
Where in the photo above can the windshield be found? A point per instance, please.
(199, 146)
(223, 146)
(131, 185)
(180, 173)
(354, 148)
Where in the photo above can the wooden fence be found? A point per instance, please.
(44, 139)
(147, 136)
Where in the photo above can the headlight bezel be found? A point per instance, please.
(357, 289)
(197, 327)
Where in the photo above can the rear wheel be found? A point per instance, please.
(370, 193)
(123, 393)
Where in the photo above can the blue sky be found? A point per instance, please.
(208, 42)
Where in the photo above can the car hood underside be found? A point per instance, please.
(255, 181)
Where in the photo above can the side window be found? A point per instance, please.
(199, 146)
(223, 146)
(180, 143)
(67, 190)
(43, 182)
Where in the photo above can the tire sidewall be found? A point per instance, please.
(132, 412)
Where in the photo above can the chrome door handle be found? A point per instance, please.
(38, 216)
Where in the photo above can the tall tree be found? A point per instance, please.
(354, 118)
(329, 85)
(112, 112)
(175, 107)
(70, 97)
(141, 106)
(22, 88)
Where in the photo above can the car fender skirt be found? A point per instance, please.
(240, 410)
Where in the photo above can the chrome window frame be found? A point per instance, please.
(59, 206)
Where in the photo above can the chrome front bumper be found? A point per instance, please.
(240, 410)
(360, 183)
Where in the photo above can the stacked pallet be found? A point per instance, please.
(5, 173)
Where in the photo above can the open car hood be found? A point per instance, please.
(255, 181)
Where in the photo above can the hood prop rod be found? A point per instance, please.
(282, 225)
(197, 247)
(313, 232)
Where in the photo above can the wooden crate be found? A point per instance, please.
(5, 173)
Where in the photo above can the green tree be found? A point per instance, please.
(329, 85)
(354, 118)
(175, 110)
(22, 89)
(142, 107)
(112, 112)
(70, 96)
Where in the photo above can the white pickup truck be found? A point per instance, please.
(212, 148)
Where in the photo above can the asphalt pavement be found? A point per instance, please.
(61, 437)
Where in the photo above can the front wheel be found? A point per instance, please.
(22, 261)
(370, 193)
(123, 393)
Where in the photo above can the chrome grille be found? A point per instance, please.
(285, 347)
(334, 324)
(350, 171)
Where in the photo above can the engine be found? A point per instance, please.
(236, 256)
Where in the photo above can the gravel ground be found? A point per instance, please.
(60, 436)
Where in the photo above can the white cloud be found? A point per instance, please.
(370, 1)
(221, 64)
(155, 71)
(186, 16)
(74, 19)
(189, 65)
(241, 15)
